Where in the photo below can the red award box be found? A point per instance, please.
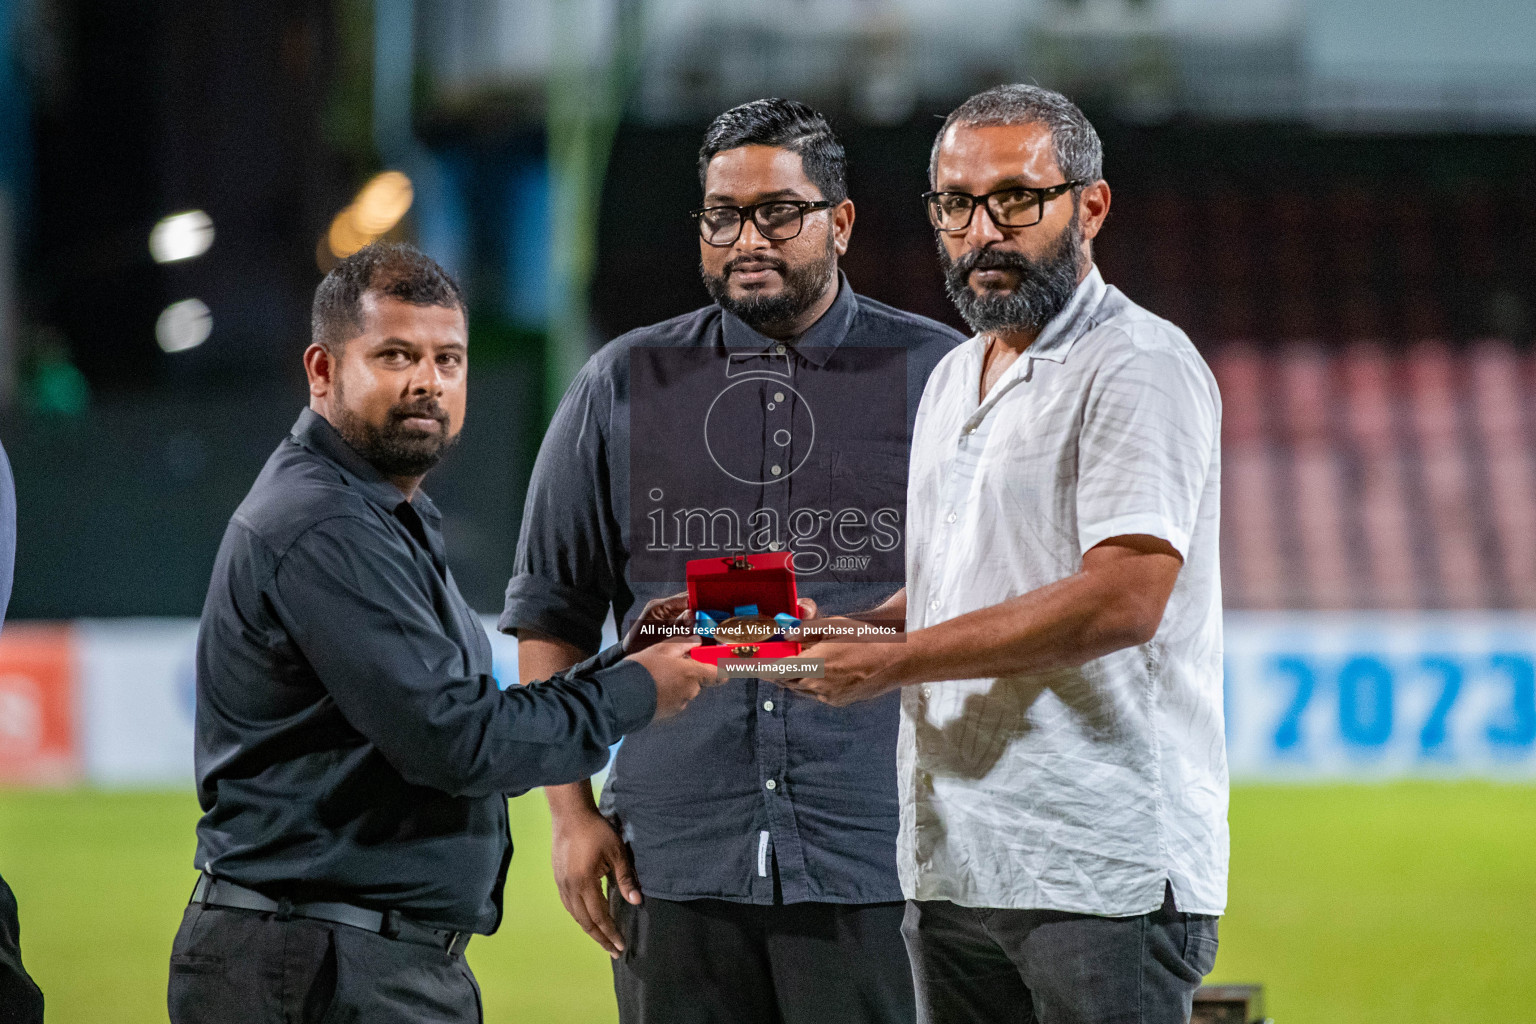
(763, 583)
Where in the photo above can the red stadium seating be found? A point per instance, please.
(1368, 477)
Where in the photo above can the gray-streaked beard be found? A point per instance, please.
(802, 287)
(1044, 289)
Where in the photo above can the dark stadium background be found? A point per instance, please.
(1352, 246)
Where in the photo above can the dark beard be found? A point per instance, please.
(1044, 289)
(392, 449)
(768, 313)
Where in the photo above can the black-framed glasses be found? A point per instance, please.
(1017, 207)
(777, 219)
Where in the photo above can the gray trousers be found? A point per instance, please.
(243, 967)
(982, 966)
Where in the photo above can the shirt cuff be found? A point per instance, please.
(1148, 523)
(565, 613)
(630, 693)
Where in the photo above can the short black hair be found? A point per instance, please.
(786, 124)
(395, 269)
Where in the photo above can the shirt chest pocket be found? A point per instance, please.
(1028, 470)
(866, 512)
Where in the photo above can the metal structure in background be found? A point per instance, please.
(504, 114)
(1353, 63)
(577, 65)
(592, 67)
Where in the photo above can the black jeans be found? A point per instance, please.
(1046, 967)
(21, 1002)
(244, 967)
(717, 962)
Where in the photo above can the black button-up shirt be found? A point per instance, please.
(697, 437)
(352, 743)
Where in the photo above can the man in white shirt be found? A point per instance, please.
(1061, 762)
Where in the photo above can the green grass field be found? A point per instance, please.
(1394, 903)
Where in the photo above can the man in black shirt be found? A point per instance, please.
(354, 754)
(20, 1000)
(760, 826)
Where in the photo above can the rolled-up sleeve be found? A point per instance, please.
(1147, 443)
(366, 625)
(570, 548)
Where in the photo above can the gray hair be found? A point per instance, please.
(1079, 153)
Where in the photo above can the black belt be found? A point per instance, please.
(217, 892)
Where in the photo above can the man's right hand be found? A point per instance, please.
(586, 850)
(678, 677)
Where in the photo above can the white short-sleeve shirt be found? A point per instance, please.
(1084, 789)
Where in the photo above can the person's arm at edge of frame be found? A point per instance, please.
(892, 610)
(1116, 600)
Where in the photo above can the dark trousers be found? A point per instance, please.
(716, 962)
(21, 1002)
(243, 967)
(1045, 967)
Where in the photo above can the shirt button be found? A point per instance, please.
(771, 784)
(775, 470)
(970, 430)
(934, 604)
(778, 396)
(767, 705)
(951, 517)
(774, 545)
(927, 690)
(779, 349)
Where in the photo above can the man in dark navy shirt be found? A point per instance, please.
(759, 826)
(20, 1000)
(354, 754)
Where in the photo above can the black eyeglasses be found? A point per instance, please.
(778, 219)
(1017, 207)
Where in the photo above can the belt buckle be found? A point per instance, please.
(454, 941)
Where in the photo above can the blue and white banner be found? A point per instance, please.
(1356, 695)
(1337, 696)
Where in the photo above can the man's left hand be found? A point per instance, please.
(659, 620)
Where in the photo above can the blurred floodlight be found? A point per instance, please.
(181, 236)
(378, 207)
(344, 238)
(183, 325)
(382, 202)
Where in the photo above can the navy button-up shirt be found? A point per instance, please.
(699, 437)
(351, 742)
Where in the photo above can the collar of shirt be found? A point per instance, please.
(1053, 344)
(315, 432)
(815, 346)
(1063, 330)
(1058, 336)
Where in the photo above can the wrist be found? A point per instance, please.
(908, 660)
(571, 804)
